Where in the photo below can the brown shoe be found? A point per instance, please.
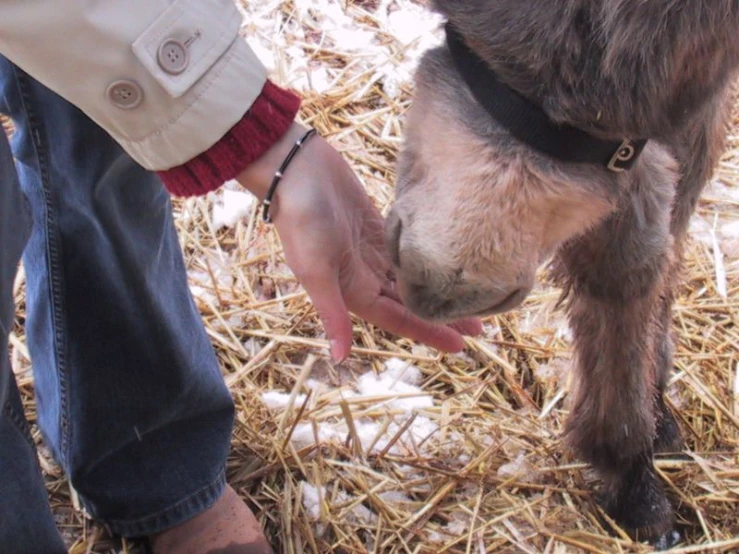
(227, 527)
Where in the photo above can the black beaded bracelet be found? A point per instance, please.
(278, 174)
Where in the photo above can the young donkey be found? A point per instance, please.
(477, 210)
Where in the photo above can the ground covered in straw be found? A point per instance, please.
(401, 449)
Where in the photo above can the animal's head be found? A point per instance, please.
(476, 213)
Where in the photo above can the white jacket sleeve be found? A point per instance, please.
(166, 79)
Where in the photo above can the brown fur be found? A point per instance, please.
(478, 212)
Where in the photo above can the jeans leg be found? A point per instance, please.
(130, 396)
(26, 522)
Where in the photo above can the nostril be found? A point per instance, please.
(393, 229)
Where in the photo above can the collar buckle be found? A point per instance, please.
(624, 156)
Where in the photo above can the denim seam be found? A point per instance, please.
(55, 278)
(182, 510)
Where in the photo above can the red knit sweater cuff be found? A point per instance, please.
(265, 123)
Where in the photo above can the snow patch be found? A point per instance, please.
(386, 385)
(275, 399)
(519, 468)
(402, 371)
(313, 497)
(233, 206)
(395, 388)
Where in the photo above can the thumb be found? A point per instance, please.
(325, 293)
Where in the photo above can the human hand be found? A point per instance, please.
(333, 241)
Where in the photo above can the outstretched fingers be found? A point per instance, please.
(366, 299)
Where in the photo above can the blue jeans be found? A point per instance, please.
(129, 394)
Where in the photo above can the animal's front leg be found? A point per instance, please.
(613, 419)
(617, 275)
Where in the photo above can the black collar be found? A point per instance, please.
(529, 123)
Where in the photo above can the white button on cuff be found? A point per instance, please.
(125, 94)
(173, 56)
(198, 35)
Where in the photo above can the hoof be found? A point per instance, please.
(659, 533)
(666, 541)
(639, 505)
(656, 536)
